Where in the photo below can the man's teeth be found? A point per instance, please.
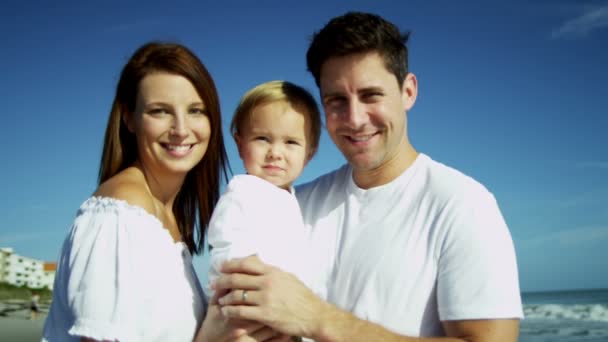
(179, 148)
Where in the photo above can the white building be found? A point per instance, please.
(20, 270)
(49, 274)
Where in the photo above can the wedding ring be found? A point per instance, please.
(244, 296)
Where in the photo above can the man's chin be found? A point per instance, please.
(363, 163)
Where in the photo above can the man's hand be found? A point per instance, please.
(280, 301)
(272, 297)
(217, 328)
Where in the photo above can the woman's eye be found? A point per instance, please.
(198, 111)
(262, 138)
(157, 111)
(292, 142)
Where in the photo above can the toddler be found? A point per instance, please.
(276, 128)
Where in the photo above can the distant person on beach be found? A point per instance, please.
(276, 128)
(420, 250)
(34, 305)
(125, 270)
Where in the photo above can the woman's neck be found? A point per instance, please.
(164, 188)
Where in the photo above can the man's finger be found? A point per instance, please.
(281, 338)
(235, 281)
(218, 295)
(243, 312)
(253, 327)
(265, 334)
(244, 328)
(248, 265)
(240, 297)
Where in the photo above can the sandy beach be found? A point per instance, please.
(16, 325)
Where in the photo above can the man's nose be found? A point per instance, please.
(354, 114)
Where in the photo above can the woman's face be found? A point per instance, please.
(170, 123)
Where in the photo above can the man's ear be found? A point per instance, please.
(409, 91)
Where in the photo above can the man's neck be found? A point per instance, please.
(388, 171)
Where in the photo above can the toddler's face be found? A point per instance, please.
(273, 143)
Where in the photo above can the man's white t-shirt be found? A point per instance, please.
(427, 247)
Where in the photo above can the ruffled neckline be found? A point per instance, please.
(103, 203)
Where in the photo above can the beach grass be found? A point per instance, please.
(8, 292)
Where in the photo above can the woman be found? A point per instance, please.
(125, 271)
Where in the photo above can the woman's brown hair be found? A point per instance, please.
(200, 190)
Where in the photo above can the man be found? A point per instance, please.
(415, 250)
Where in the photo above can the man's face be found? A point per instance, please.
(365, 109)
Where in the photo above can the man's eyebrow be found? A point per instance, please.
(371, 88)
(331, 94)
(359, 91)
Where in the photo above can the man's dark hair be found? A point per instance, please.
(356, 32)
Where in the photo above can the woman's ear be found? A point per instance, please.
(127, 119)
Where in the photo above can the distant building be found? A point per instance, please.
(49, 274)
(19, 270)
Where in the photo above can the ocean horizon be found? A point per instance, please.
(565, 316)
(549, 316)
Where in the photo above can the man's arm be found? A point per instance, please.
(343, 326)
(483, 330)
(279, 300)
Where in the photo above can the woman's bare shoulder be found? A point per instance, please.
(130, 186)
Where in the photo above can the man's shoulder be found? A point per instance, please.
(449, 182)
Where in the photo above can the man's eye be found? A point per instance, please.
(292, 142)
(372, 96)
(262, 138)
(334, 101)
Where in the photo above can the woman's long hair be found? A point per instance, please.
(200, 190)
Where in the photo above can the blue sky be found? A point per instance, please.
(513, 93)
